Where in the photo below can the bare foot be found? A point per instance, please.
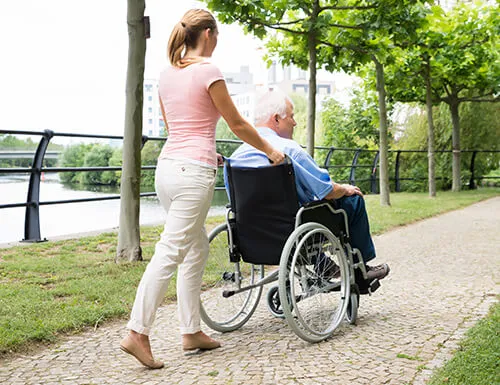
(138, 345)
(198, 340)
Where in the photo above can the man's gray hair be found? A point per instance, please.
(270, 103)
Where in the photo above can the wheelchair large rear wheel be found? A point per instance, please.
(227, 313)
(314, 282)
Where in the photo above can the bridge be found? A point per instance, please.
(27, 154)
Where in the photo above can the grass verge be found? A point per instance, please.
(477, 361)
(51, 288)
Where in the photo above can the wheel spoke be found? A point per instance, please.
(228, 313)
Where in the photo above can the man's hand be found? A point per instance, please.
(351, 190)
(343, 190)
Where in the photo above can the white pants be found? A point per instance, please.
(185, 191)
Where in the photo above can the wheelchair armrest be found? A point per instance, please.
(332, 202)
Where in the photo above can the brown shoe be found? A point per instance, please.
(131, 348)
(378, 271)
(198, 341)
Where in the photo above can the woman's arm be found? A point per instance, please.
(241, 128)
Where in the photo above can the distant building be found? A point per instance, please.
(239, 84)
(242, 90)
(152, 120)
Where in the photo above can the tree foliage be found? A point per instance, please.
(97, 156)
(331, 34)
(457, 53)
(303, 28)
(480, 130)
(73, 156)
(354, 127)
(13, 143)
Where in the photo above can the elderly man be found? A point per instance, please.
(275, 122)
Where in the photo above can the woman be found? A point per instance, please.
(193, 96)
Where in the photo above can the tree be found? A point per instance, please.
(225, 148)
(129, 248)
(456, 60)
(73, 156)
(479, 130)
(386, 25)
(303, 25)
(301, 115)
(113, 177)
(354, 126)
(337, 35)
(149, 157)
(98, 156)
(418, 54)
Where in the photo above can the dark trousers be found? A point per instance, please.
(359, 228)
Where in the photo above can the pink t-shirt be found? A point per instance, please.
(190, 112)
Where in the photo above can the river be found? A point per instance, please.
(73, 218)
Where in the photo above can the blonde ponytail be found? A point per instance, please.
(176, 44)
(185, 35)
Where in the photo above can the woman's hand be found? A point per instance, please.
(220, 160)
(276, 157)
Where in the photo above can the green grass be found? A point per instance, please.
(407, 208)
(477, 361)
(52, 288)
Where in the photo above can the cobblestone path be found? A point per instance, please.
(444, 277)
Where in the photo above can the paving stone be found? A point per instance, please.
(441, 284)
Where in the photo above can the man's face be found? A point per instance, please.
(286, 124)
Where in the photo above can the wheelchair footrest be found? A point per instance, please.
(373, 286)
(369, 287)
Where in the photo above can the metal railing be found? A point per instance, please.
(397, 179)
(33, 203)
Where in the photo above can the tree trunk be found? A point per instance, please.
(129, 248)
(455, 139)
(311, 109)
(430, 140)
(384, 165)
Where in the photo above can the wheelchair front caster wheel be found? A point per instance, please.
(274, 303)
(351, 314)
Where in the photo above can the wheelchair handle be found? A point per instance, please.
(286, 161)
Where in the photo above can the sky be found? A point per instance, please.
(64, 62)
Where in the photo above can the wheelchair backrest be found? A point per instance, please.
(264, 201)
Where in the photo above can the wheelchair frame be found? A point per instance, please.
(312, 304)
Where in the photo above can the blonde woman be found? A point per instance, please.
(193, 96)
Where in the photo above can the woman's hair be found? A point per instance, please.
(186, 33)
(270, 103)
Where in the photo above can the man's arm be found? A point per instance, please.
(340, 190)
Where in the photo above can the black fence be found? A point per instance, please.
(33, 203)
(397, 179)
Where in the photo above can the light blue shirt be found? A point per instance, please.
(313, 183)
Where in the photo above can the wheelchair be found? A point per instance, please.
(319, 275)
